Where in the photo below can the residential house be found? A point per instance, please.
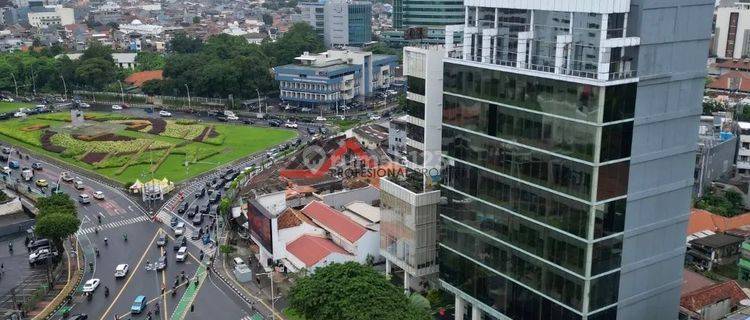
(714, 250)
(711, 303)
(345, 232)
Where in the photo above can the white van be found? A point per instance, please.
(84, 198)
(238, 262)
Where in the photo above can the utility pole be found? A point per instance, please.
(122, 93)
(65, 88)
(188, 94)
(33, 82)
(15, 84)
(259, 106)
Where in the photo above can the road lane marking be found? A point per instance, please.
(164, 278)
(112, 225)
(130, 277)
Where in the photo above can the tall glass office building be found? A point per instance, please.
(421, 13)
(568, 142)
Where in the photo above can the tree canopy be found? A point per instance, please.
(57, 218)
(727, 203)
(351, 291)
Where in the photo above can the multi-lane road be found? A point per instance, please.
(119, 214)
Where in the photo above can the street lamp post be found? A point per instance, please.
(15, 84)
(188, 94)
(273, 297)
(122, 92)
(33, 82)
(65, 88)
(259, 106)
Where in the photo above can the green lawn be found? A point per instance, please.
(231, 142)
(13, 106)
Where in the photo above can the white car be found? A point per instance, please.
(34, 255)
(320, 118)
(121, 270)
(374, 117)
(233, 117)
(99, 195)
(65, 176)
(291, 125)
(84, 105)
(116, 107)
(19, 114)
(165, 113)
(6, 170)
(91, 285)
(179, 229)
(181, 254)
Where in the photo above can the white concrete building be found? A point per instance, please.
(137, 27)
(409, 202)
(732, 33)
(743, 154)
(361, 242)
(52, 16)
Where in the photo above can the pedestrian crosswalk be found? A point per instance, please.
(113, 225)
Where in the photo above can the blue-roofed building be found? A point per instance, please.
(334, 76)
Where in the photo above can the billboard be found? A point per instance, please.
(259, 223)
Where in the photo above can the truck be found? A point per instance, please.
(27, 174)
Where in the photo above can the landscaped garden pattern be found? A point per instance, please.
(139, 148)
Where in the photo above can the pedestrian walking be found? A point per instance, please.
(10, 247)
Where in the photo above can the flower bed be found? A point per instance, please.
(103, 137)
(94, 157)
(113, 161)
(135, 125)
(75, 147)
(34, 127)
(157, 126)
(47, 144)
(203, 134)
(183, 131)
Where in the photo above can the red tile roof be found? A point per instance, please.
(311, 249)
(334, 220)
(733, 80)
(702, 220)
(742, 65)
(137, 79)
(692, 281)
(697, 300)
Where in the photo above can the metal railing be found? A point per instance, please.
(624, 70)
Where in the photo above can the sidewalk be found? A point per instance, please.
(257, 292)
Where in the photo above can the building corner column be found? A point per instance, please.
(476, 313)
(460, 306)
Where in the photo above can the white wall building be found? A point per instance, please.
(732, 33)
(53, 16)
(743, 154)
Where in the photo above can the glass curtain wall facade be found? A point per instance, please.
(561, 195)
(415, 13)
(536, 185)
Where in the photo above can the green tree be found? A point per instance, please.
(299, 38)
(181, 43)
(349, 291)
(196, 20)
(95, 73)
(727, 203)
(152, 87)
(268, 19)
(56, 203)
(96, 49)
(226, 249)
(57, 226)
(224, 206)
(149, 61)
